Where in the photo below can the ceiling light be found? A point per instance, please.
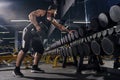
(4, 32)
(19, 20)
(81, 22)
(9, 38)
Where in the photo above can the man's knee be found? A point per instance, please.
(41, 51)
(24, 50)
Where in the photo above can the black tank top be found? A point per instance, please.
(44, 24)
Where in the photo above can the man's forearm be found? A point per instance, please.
(59, 26)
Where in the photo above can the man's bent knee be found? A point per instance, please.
(24, 50)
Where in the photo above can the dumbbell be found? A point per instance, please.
(74, 35)
(58, 43)
(110, 43)
(99, 34)
(53, 46)
(111, 31)
(117, 28)
(104, 33)
(61, 40)
(114, 13)
(66, 39)
(88, 38)
(69, 38)
(94, 36)
(105, 20)
(107, 46)
(95, 47)
(81, 32)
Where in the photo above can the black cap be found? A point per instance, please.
(53, 6)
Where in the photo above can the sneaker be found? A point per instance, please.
(36, 70)
(17, 73)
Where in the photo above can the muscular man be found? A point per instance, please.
(28, 37)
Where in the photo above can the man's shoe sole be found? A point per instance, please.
(34, 71)
(18, 76)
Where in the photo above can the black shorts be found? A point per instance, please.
(28, 39)
(37, 45)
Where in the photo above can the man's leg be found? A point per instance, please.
(19, 60)
(37, 57)
(39, 49)
(25, 46)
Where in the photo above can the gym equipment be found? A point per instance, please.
(105, 21)
(95, 47)
(95, 25)
(114, 12)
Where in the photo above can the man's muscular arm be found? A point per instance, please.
(59, 26)
(32, 16)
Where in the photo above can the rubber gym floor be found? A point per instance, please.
(59, 73)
